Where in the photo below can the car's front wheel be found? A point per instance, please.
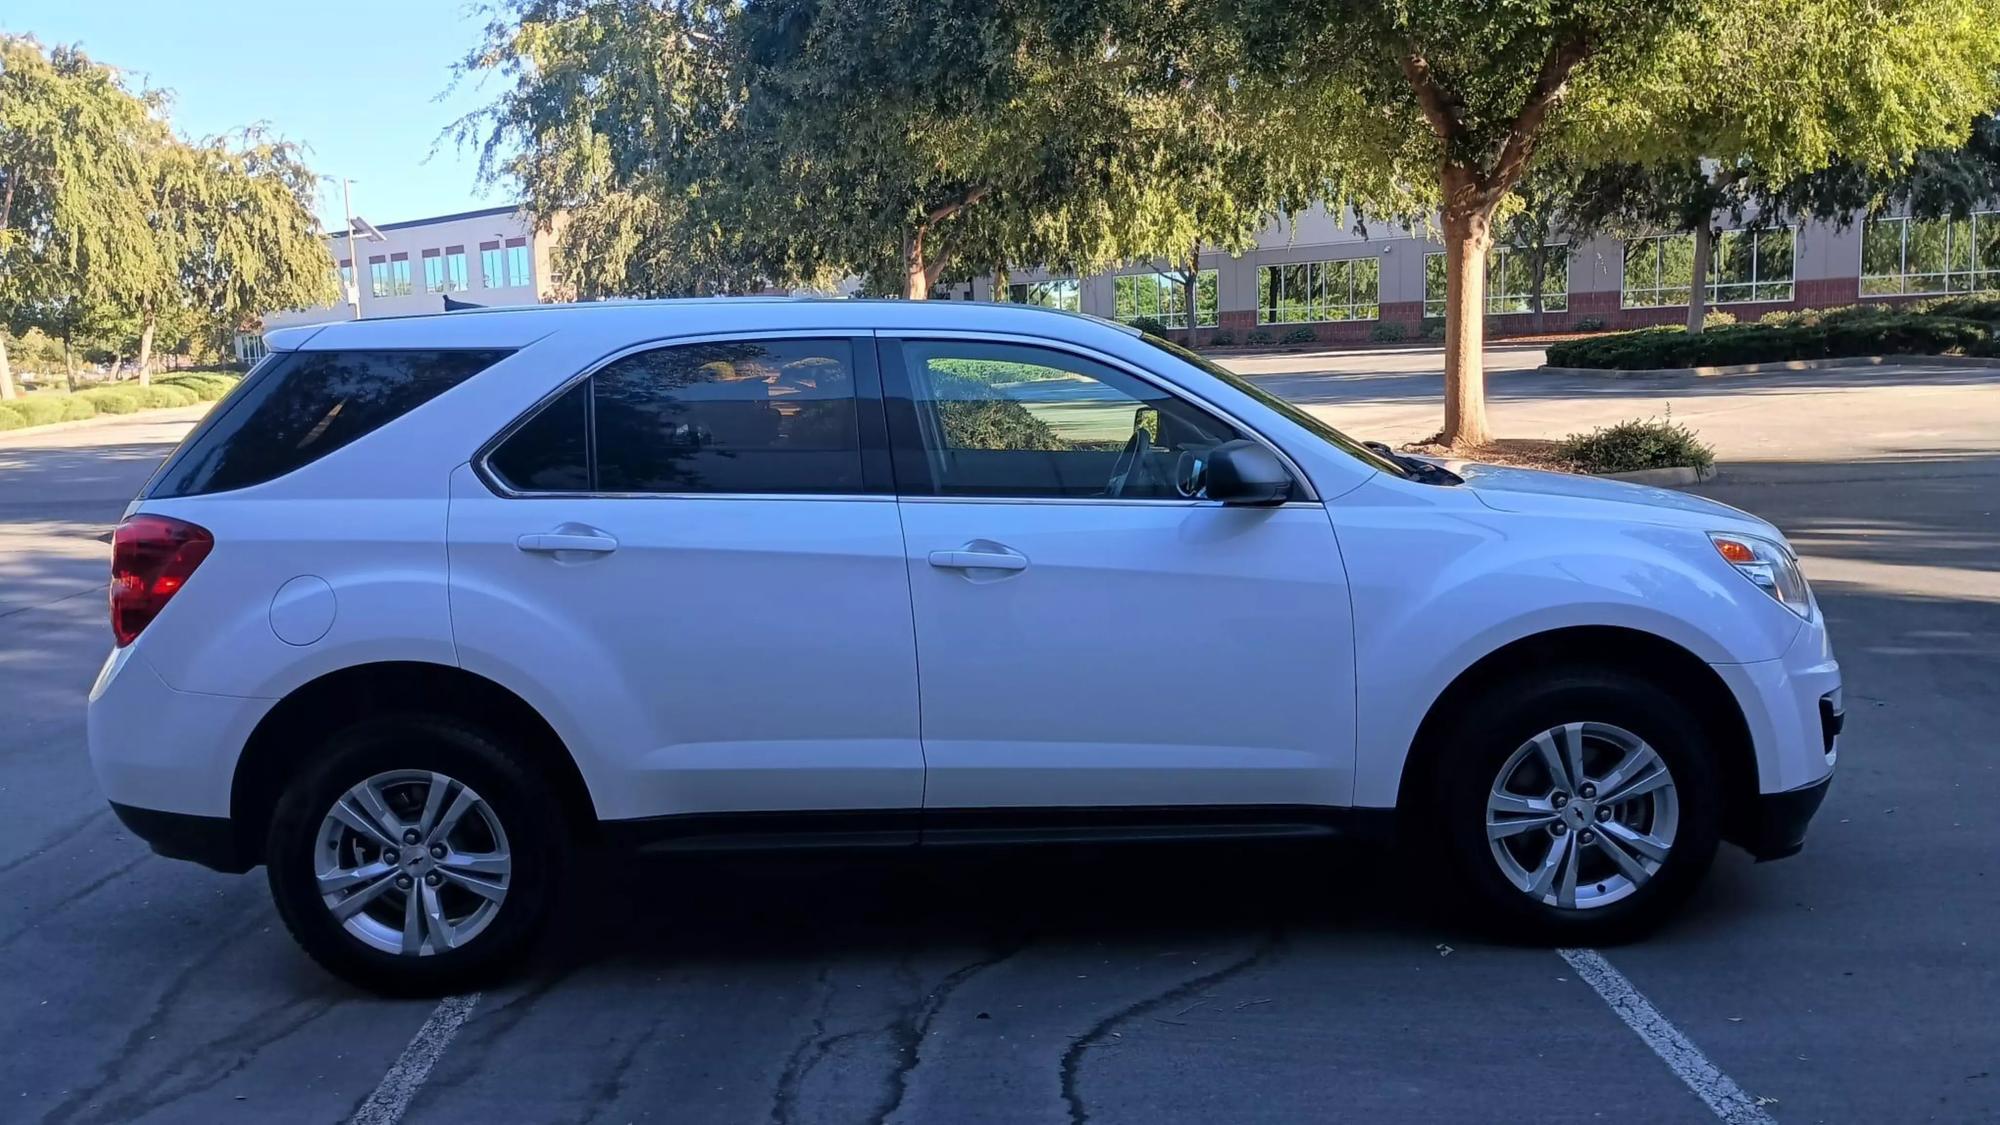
(417, 856)
(1579, 807)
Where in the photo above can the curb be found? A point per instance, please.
(1666, 478)
(152, 415)
(1782, 365)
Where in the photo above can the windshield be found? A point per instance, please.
(1305, 421)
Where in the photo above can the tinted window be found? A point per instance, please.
(745, 416)
(301, 406)
(550, 452)
(1006, 420)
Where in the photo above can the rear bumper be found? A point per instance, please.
(208, 840)
(1776, 824)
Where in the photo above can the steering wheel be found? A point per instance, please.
(1129, 462)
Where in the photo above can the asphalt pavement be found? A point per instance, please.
(1855, 982)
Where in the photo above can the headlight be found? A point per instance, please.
(1770, 565)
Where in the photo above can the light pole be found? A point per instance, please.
(353, 261)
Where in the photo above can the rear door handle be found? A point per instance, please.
(545, 542)
(978, 560)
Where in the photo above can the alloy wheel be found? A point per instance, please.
(1582, 815)
(412, 862)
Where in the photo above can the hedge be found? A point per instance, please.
(44, 407)
(1649, 443)
(1812, 334)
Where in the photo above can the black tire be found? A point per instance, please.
(1470, 753)
(500, 773)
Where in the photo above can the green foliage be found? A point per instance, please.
(975, 416)
(1651, 443)
(1433, 328)
(1589, 324)
(1717, 318)
(1389, 332)
(159, 395)
(10, 418)
(43, 409)
(205, 386)
(1974, 306)
(111, 400)
(1150, 326)
(1859, 331)
(1222, 338)
(1259, 336)
(1303, 334)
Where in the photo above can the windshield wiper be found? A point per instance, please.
(1418, 468)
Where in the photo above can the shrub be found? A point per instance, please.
(1389, 332)
(111, 400)
(1222, 339)
(975, 417)
(1589, 324)
(1717, 318)
(158, 396)
(1433, 328)
(1258, 336)
(206, 386)
(1300, 335)
(10, 418)
(1650, 443)
(1971, 306)
(1833, 334)
(76, 408)
(1149, 325)
(42, 409)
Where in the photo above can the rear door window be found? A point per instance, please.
(300, 406)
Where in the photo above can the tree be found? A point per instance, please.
(74, 240)
(1455, 101)
(1933, 183)
(699, 146)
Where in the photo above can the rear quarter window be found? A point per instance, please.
(297, 407)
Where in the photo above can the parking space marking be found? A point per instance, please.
(1716, 1089)
(392, 1096)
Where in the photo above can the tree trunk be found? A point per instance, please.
(1538, 273)
(1000, 285)
(917, 277)
(146, 348)
(7, 390)
(1468, 237)
(1704, 253)
(1191, 292)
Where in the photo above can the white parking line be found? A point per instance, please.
(1716, 1089)
(386, 1105)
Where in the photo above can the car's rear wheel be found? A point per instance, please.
(417, 856)
(1582, 806)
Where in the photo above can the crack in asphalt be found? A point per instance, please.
(61, 836)
(245, 1043)
(912, 1025)
(74, 897)
(473, 1044)
(1072, 1059)
(136, 1040)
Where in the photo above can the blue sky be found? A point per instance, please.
(359, 83)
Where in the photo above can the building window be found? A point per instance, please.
(1900, 255)
(1658, 271)
(346, 272)
(1752, 265)
(433, 272)
(490, 267)
(378, 277)
(519, 271)
(1163, 297)
(1510, 281)
(399, 275)
(455, 277)
(1302, 292)
(1065, 294)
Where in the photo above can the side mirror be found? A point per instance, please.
(1244, 472)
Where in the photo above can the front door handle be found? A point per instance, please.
(968, 559)
(546, 542)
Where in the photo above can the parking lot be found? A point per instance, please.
(1856, 982)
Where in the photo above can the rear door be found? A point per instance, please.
(1093, 632)
(693, 556)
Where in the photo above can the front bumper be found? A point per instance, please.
(1776, 824)
(208, 840)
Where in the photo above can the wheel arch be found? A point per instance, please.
(306, 714)
(1606, 646)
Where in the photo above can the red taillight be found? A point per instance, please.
(151, 558)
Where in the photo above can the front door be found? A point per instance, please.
(692, 561)
(1091, 630)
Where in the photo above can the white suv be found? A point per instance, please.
(427, 603)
